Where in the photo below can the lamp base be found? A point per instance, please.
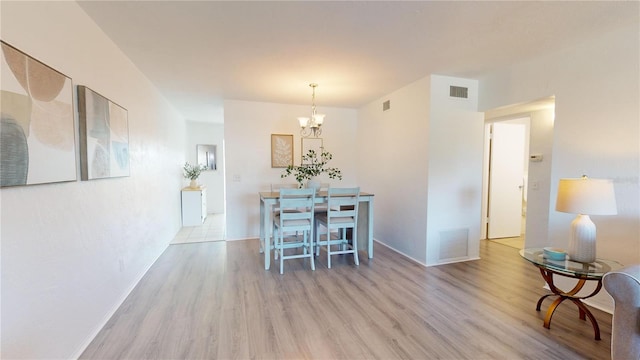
(582, 244)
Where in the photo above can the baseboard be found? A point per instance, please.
(401, 253)
(92, 335)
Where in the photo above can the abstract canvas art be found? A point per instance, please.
(281, 150)
(104, 136)
(37, 133)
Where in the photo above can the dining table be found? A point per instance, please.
(269, 200)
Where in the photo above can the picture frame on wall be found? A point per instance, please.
(38, 142)
(310, 144)
(281, 150)
(104, 136)
(206, 155)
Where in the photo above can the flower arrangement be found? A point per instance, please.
(312, 165)
(192, 172)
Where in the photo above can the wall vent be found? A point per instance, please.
(386, 105)
(454, 243)
(458, 92)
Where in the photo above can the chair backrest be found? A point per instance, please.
(342, 206)
(296, 204)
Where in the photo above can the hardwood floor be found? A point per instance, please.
(214, 300)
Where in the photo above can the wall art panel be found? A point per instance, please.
(104, 136)
(37, 133)
(281, 150)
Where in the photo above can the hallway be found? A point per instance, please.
(213, 229)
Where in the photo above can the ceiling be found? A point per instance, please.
(199, 53)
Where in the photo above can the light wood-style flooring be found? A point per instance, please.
(214, 300)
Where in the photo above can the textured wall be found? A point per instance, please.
(72, 251)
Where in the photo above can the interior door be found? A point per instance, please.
(506, 180)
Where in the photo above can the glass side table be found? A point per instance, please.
(582, 271)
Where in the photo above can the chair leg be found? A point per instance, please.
(317, 244)
(275, 244)
(354, 246)
(310, 251)
(282, 259)
(328, 248)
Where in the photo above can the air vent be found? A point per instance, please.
(458, 92)
(386, 105)
(454, 243)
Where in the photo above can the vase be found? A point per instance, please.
(194, 184)
(313, 183)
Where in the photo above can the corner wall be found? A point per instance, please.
(455, 145)
(71, 252)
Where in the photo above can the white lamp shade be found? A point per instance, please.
(303, 121)
(319, 119)
(586, 196)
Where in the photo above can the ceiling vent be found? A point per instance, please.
(458, 92)
(386, 105)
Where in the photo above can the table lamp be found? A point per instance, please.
(585, 196)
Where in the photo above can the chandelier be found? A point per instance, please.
(311, 125)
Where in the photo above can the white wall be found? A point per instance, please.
(454, 155)
(539, 173)
(596, 129)
(418, 158)
(72, 251)
(199, 133)
(247, 132)
(393, 163)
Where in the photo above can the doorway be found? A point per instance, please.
(204, 144)
(507, 180)
(537, 168)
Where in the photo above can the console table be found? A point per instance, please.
(194, 206)
(582, 271)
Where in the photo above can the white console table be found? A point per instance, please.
(194, 206)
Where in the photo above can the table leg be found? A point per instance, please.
(583, 311)
(262, 224)
(265, 231)
(370, 232)
(365, 227)
(551, 310)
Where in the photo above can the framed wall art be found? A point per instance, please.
(104, 136)
(37, 134)
(206, 155)
(311, 144)
(281, 150)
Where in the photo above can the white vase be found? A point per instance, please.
(194, 184)
(313, 183)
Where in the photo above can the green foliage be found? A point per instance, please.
(192, 172)
(312, 166)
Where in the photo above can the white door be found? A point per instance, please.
(506, 180)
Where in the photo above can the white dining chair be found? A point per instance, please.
(341, 215)
(293, 225)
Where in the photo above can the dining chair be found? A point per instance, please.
(321, 208)
(341, 215)
(293, 225)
